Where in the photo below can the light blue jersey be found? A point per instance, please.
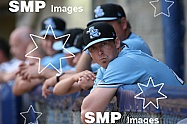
(69, 68)
(135, 42)
(132, 67)
(54, 60)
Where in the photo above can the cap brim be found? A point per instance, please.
(101, 19)
(57, 33)
(57, 45)
(72, 50)
(96, 41)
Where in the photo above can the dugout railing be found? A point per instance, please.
(169, 110)
(66, 109)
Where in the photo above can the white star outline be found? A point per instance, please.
(28, 112)
(150, 102)
(63, 48)
(155, 15)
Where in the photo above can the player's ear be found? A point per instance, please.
(117, 42)
(124, 23)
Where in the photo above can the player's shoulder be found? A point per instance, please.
(135, 38)
(135, 41)
(129, 57)
(125, 58)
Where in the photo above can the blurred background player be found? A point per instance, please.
(72, 50)
(12, 106)
(74, 46)
(21, 85)
(51, 35)
(52, 30)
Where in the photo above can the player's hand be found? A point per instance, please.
(21, 66)
(84, 83)
(48, 83)
(30, 71)
(88, 75)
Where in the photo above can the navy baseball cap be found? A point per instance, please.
(57, 24)
(77, 46)
(74, 44)
(98, 32)
(107, 12)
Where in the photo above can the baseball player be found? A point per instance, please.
(58, 26)
(114, 15)
(119, 66)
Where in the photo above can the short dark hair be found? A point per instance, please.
(4, 46)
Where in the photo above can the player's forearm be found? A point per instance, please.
(48, 73)
(17, 89)
(4, 77)
(22, 86)
(97, 101)
(67, 86)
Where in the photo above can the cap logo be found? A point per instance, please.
(48, 22)
(68, 45)
(113, 34)
(93, 32)
(98, 12)
(119, 14)
(83, 46)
